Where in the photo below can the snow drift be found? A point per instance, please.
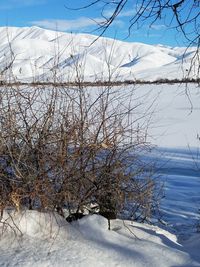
(89, 243)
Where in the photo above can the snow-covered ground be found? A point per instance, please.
(40, 239)
(47, 240)
(179, 170)
(175, 114)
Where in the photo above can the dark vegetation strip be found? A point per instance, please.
(100, 83)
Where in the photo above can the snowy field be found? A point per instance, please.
(176, 110)
(179, 170)
(48, 240)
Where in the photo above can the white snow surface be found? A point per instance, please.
(175, 114)
(45, 239)
(43, 55)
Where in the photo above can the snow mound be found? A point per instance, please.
(93, 227)
(35, 224)
(89, 243)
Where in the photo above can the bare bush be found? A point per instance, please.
(69, 148)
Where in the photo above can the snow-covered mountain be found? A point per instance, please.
(36, 54)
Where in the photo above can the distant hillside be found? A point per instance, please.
(35, 54)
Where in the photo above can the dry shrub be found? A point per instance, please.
(68, 148)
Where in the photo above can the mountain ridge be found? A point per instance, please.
(35, 54)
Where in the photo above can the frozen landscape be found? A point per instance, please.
(38, 239)
(37, 54)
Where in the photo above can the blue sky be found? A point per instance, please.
(52, 14)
